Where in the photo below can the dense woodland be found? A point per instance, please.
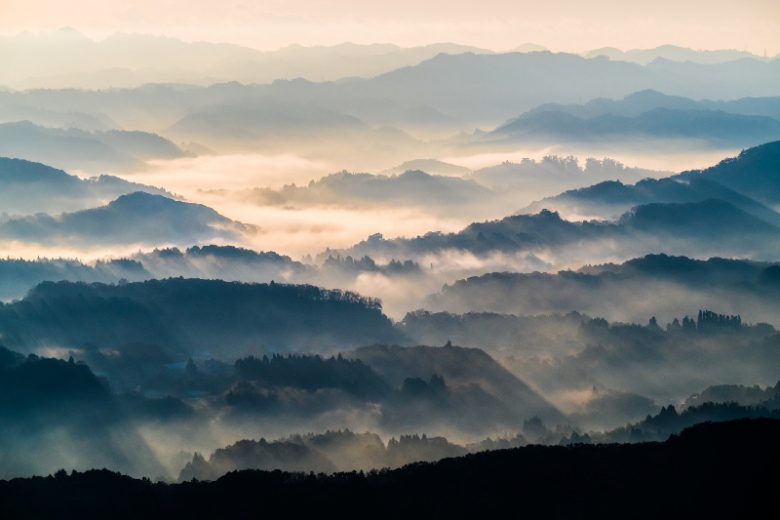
(718, 470)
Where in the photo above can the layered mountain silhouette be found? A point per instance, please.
(748, 182)
(326, 453)
(734, 461)
(412, 187)
(684, 224)
(670, 52)
(185, 316)
(553, 173)
(754, 172)
(644, 101)
(496, 87)
(610, 289)
(122, 60)
(266, 120)
(648, 115)
(85, 150)
(610, 199)
(29, 187)
(709, 209)
(135, 218)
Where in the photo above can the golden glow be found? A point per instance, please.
(561, 25)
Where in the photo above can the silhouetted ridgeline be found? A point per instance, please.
(670, 284)
(229, 263)
(706, 226)
(190, 315)
(328, 452)
(134, 218)
(653, 116)
(754, 172)
(724, 470)
(30, 187)
(718, 210)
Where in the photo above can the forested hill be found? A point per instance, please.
(713, 470)
(187, 316)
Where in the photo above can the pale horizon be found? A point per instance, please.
(560, 26)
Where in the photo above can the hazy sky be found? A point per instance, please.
(572, 25)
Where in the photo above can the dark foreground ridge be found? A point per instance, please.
(709, 470)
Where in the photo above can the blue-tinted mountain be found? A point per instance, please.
(30, 187)
(672, 53)
(755, 172)
(17, 276)
(187, 316)
(670, 284)
(136, 218)
(85, 150)
(716, 127)
(709, 219)
(466, 88)
(553, 173)
(409, 188)
(58, 413)
(638, 103)
(710, 225)
(228, 263)
(263, 119)
(609, 199)
(513, 83)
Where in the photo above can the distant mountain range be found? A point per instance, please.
(648, 115)
(704, 226)
(452, 91)
(88, 151)
(432, 166)
(691, 213)
(610, 290)
(742, 181)
(66, 58)
(553, 173)
(671, 53)
(410, 188)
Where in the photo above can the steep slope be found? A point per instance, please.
(609, 199)
(755, 172)
(459, 367)
(57, 413)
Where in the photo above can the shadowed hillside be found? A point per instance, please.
(734, 462)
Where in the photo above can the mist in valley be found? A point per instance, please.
(325, 257)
